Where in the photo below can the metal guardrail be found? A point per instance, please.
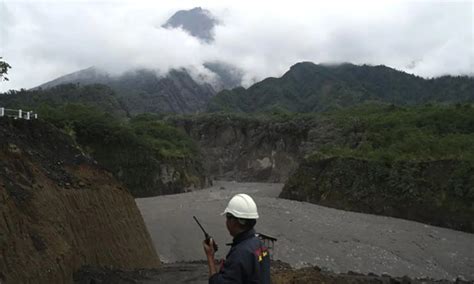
(18, 113)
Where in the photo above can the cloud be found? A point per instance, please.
(44, 40)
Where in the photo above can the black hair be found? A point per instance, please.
(246, 224)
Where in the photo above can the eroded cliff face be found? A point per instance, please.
(59, 211)
(255, 150)
(148, 176)
(440, 193)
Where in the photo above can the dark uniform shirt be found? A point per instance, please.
(248, 261)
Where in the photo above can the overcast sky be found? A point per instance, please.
(43, 40)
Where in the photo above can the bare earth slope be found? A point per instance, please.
(309, 234)
(59, 211)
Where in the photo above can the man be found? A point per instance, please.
(248, 260)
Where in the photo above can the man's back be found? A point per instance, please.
(248, 261)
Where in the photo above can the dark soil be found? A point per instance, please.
(196, 272)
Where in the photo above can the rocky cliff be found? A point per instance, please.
(60, 211)
(244, 148)
(148, 176)
(435, 192)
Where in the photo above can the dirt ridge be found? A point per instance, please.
(60, 211)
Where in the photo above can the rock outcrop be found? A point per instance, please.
(143, 171)
(249, 149)
(440, 193)
(60, 211)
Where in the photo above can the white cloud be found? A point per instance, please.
(46, 39)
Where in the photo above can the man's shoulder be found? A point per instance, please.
(249, 245)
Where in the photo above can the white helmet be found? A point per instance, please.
(242, 206)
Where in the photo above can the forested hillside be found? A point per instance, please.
(418, 133)
(147, 155)
(308, 87)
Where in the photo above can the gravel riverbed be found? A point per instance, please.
(309, 234)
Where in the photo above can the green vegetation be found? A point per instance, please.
(308, 87)
(273, 115)
(4, 66)
(435, 192)
(97, 96)
(138, 151)
(163, 138)
(421, 133)
(365, 112)
(412, 162)
(373, 131)
(133, 150)
(96, 129)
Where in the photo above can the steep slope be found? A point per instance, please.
(309, 87)
(88, 76)
(228, 75)
(144, 90)
(177, 92)
(197, 22)
(250, 148)
(147, 155)
(440, 193)
(60, 211)
(200, 23)
(415, 163)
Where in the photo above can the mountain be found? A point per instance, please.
(91, 75)
(229, 76)
(200, 23)
(197, 22)
(144, 90)
(309, 87)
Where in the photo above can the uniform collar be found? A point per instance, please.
(243, 236)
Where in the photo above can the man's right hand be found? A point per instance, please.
(208, 247)
(209, 250)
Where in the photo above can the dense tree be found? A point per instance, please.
(133, 150)
(4, 66)
(98, 96)
(417, 133)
